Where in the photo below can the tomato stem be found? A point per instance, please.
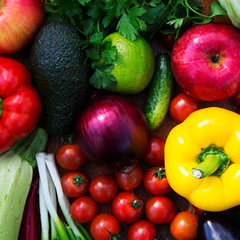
(159, 173)
(78, 180)
(68, 140)
(113, 236)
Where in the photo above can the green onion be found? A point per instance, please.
(43, 215)
(69, 230)
(46, 194)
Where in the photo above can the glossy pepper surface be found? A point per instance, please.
(202, 159)
(20, 105)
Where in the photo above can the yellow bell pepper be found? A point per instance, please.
(202, 159)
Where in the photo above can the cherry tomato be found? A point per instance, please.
(127, 207)
(184, 226)
(236, 98)
(168, 40)
(160, 209)
(74, 184)
(155, 181)
(83, 209)
(154, 153)
(103, 226)
(182, 106)
(129, 181)
(70, 157)
(103, 188)
(198, 211)
(142, 230)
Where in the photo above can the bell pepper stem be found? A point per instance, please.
(210, 164)
(211, 161)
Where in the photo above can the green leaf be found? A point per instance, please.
(87, 25)
(95, 12)
(93, 53)
(154, 3)
(112, 12)
(83, 2)
(109, 52)
(176, 22)
(102, 77)
(154, 15)
(126, 28)
(216, 9)
(96, 39)
(195, 4)
(136, 11)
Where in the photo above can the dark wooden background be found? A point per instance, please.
(92, 170)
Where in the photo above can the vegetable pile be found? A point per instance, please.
(111, 131)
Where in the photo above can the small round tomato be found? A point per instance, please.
(168, 40)
(142, 230)
(103, 188)
(184, 226)
(83, 209)
(199, 211)
(182, 106)
(129, 181)
(236, 98)
(160, 209)
(70, 157)
(74, 184)
(104, 226)
(154, 153)
(155, 181)
(127, 207)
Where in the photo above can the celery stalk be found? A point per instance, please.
(16, 172)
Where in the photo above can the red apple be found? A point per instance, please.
(19, 22)
(206, 61)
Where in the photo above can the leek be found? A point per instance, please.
(16, 172)
(232, 7)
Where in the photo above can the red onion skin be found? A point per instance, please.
(112, 132)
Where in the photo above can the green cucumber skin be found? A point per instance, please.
(160, 92)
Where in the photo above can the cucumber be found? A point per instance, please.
(160, 91)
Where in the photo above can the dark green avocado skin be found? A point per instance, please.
(61, 75)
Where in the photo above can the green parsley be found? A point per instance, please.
(95, 19)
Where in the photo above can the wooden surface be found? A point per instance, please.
(92, 170)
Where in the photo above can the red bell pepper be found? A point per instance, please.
(20, 105)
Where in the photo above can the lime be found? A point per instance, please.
(134, 66)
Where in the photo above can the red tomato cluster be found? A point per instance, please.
(118, 191)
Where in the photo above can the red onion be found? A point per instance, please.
(112, 132)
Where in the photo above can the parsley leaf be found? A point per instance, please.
(126, 28)
(102, 77)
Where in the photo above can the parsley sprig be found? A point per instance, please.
(95, 19)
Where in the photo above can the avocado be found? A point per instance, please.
(60, 74)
